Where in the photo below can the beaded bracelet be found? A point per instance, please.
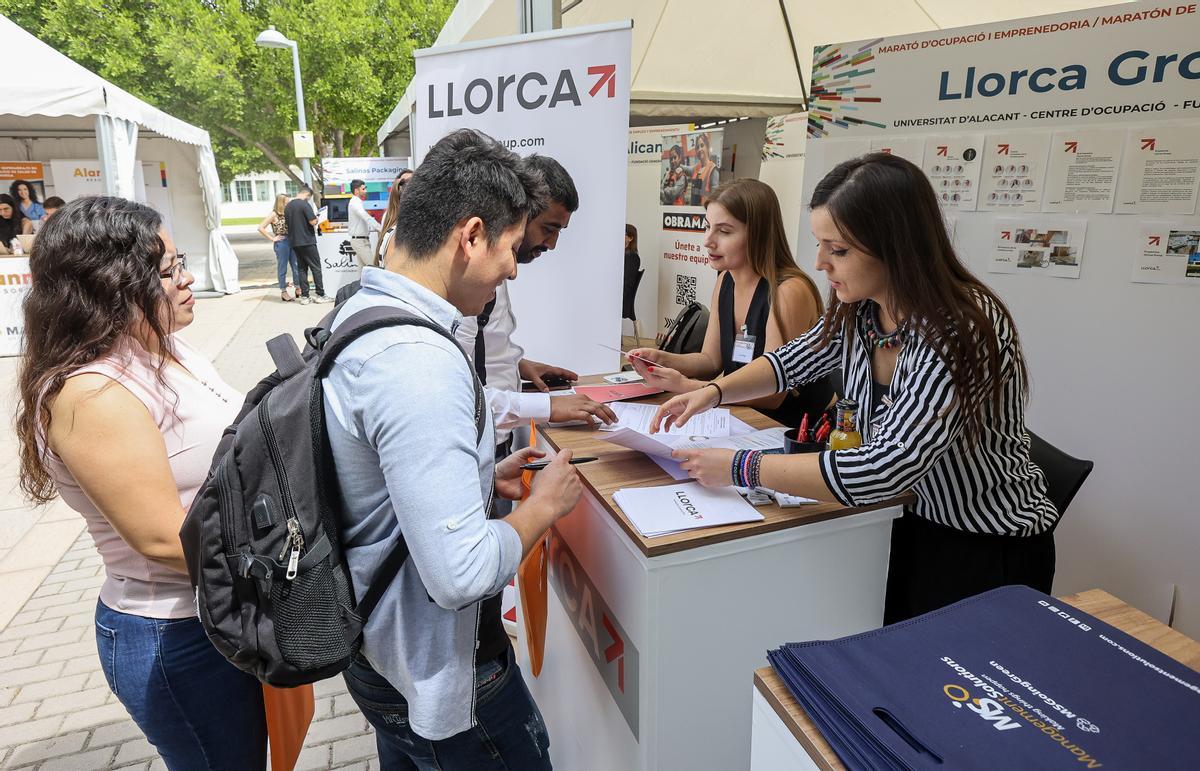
(745, 468)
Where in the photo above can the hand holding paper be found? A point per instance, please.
(709, 467)
(682, 408)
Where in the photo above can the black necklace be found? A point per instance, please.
(876, 335)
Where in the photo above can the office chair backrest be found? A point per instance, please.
(1065, 474)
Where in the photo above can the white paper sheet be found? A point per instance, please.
(675, 508)
(1014, 172)
(710, 423)
(1169, 254)
(1038, 246)
(1081, 173)
(952, 164)
(1160, 171)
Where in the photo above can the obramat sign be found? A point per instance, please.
(525, 91)
(602, 636)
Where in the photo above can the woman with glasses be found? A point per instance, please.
(121, 417)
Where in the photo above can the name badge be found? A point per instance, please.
(743, 348)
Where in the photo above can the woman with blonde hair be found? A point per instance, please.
(274, 228)
(762, 300)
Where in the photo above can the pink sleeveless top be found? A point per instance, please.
(191, 427)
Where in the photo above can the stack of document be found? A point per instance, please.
(675, 508)
(1008, 679)
(712, 428)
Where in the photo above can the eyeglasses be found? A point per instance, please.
(175, 272)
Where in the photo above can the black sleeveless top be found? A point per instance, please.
(811, 398)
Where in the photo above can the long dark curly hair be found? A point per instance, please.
(886, 207)
(94, 278)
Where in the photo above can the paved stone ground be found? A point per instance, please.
(56, 711)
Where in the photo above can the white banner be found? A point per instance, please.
(14, 285)
(74, 178)
(564, 94)
(1119, 63)
(689, 170)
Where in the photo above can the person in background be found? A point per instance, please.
(674, 178)
(436, 675)
(933, 357)
(705, 175)
(12, 222)
(488, 337)
(389, 216)
(301, 223)
(762, 299)
(362, 224)
(633, 264)
(119, 416)
(274, 228)
(51, 205)
(24, 194)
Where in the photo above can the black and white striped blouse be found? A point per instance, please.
(917, 442)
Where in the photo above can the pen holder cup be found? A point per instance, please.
(791, 446)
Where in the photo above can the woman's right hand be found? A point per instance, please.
(680, 409)
(278, 238)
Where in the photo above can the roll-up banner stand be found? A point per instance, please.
(564, 94)
(689, 169)
(339, 266)
(1065, 152)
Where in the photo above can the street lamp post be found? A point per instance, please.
(272, 38)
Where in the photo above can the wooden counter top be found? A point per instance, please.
(1096, 602)
(619, 468)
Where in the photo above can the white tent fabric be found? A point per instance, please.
(66, 100)
(716, 59)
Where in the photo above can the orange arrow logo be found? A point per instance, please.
(1071, 147)
(1148, 144)
(1155, 240)
(1002, 149)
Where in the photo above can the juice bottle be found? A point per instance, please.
(845, 435)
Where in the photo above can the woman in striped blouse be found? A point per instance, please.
(933, 357)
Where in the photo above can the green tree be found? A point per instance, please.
(196, 59)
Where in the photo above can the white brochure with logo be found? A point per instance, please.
(674, 508)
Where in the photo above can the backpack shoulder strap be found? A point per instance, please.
(359, 324)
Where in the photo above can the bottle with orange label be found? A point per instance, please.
(845, 435)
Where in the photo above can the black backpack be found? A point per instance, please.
(262, 538)
(686, 333)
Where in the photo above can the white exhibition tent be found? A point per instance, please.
(53, 108)
(698, 60)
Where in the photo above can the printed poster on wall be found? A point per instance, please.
(1169, 254)
(563, 94)
(378, 173)
(909, 148)
(689, 170)
(1038, 246)
(1088, 67)
(952, 164)
(29, 171)
(1081, 175)
(1160, 171)
(1014, 172)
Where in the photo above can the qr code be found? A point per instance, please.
(685, 290)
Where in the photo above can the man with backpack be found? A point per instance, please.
(435, 675)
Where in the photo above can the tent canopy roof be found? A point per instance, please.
(65, 90)
(716, 59)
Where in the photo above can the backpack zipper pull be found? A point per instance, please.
(293, 564)
(294, 540)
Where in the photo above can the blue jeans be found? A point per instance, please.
(198, 710)
(284, 256)
(509, 736)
